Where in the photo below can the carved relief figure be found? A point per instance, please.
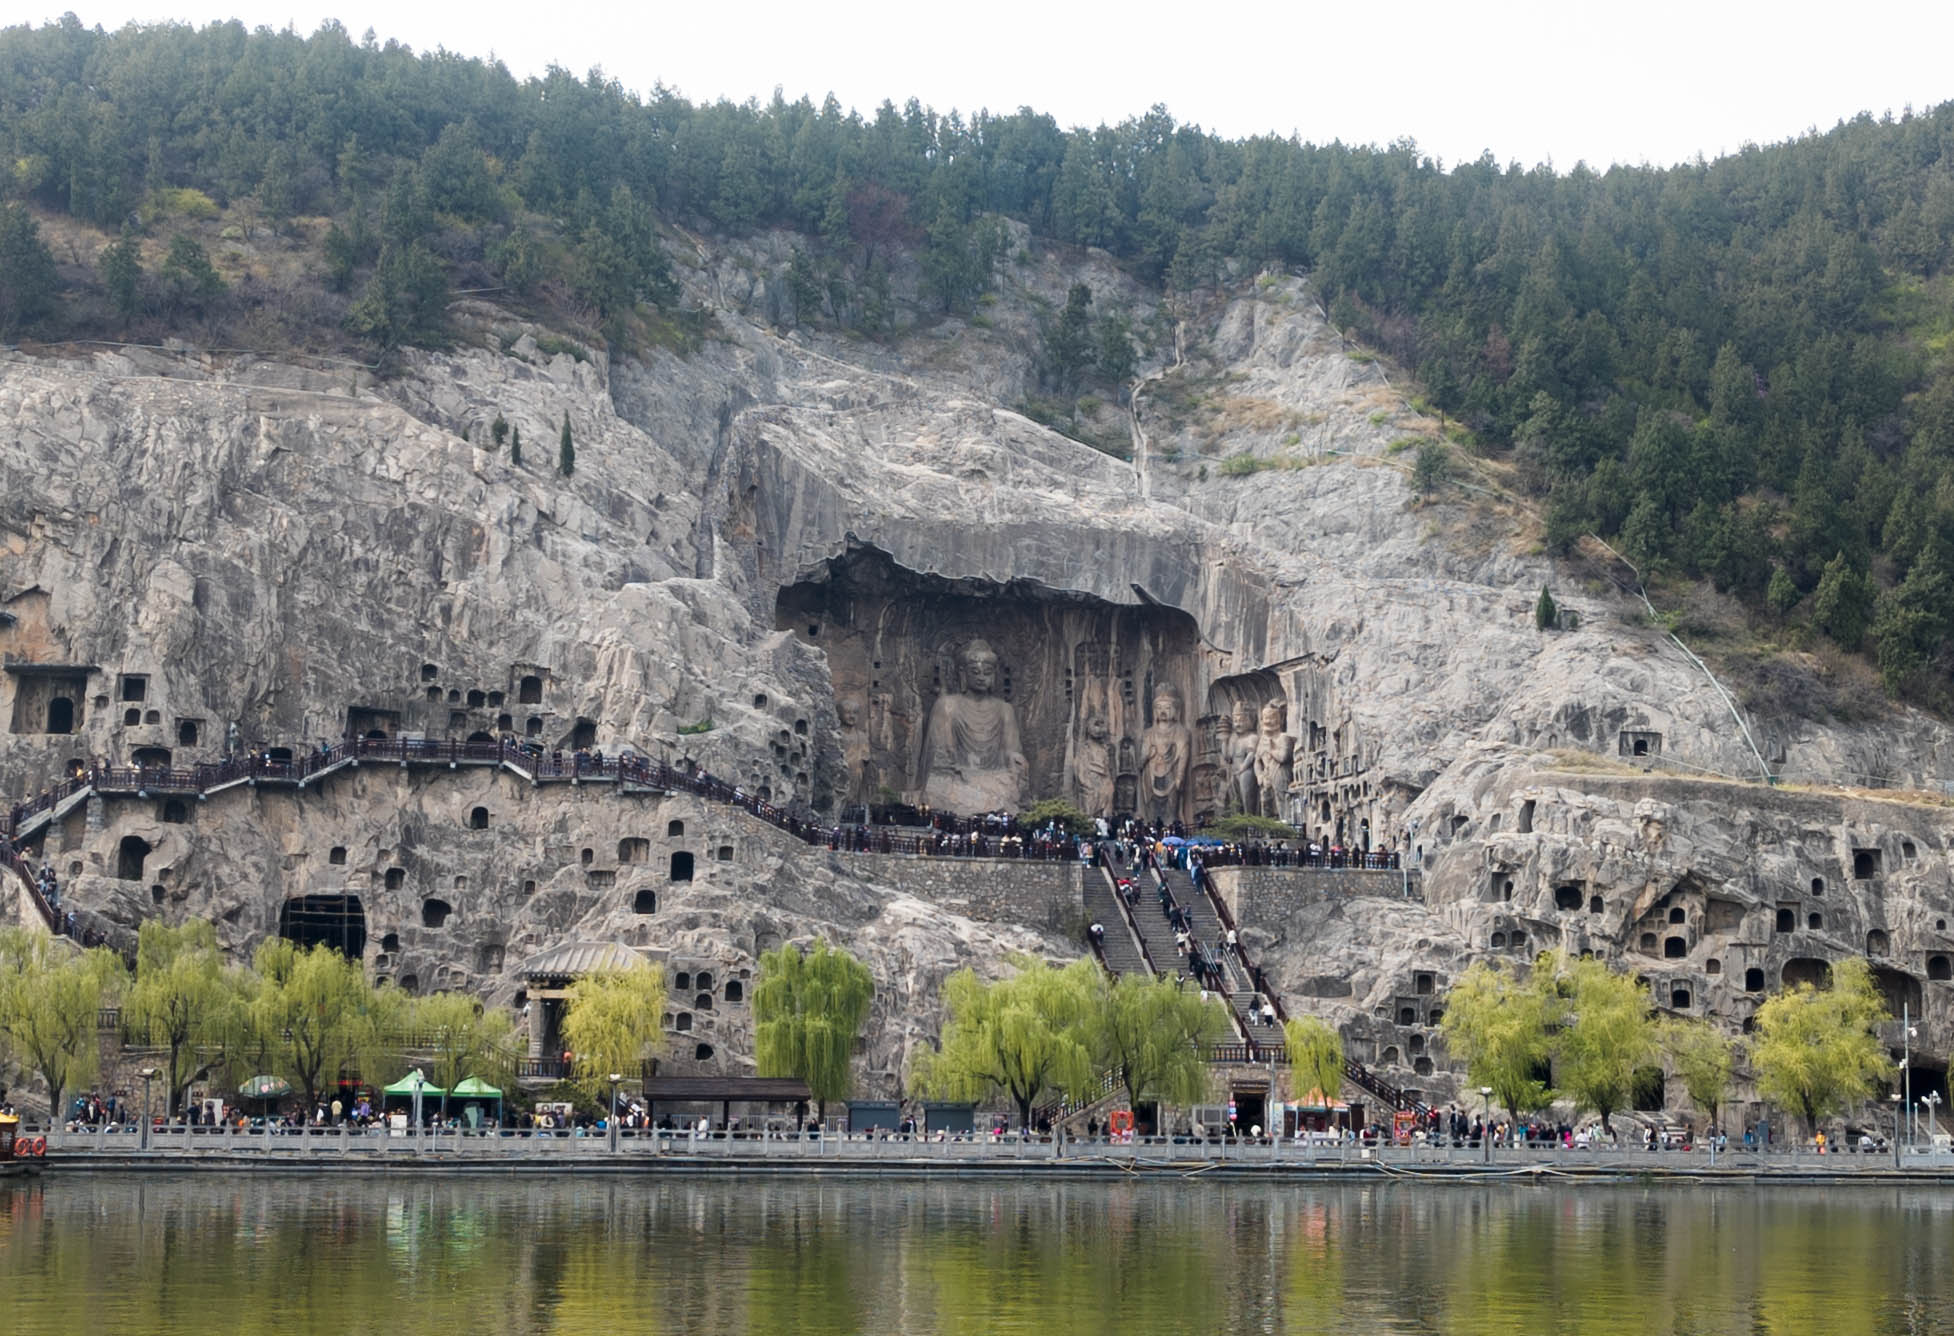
(1092, 767)
(1165, 752)
(1241, 759)
(972, 759)
(854, 750)
(1275, 753)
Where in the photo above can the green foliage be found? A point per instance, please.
(1607, 1032)
(613, 1022)
(49, 997)
(1154, 1036)
(1498, 1025)
(121, 267)
(1703, 1059)
(515, 446)
(1315, 1052)
(808, 1011)
(187, 278)
(1048, 810)
(27, 278)
(1545, 614)
(1816, 1051)
(1023, 1036)
(1783, 593)
(1433, 468)
(185, 999)
(1842, 604)
(464, 1039)
(499, 430)
(406, 300)
(1068, 340)
(566, 450)
(1248, 826)
(314, 1013)
(704, 725)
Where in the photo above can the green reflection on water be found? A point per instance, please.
(669, 1254)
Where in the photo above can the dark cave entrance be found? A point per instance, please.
(338, 921)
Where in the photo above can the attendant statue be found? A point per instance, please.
(1241, 759)
(1092, 767)
(971, 759)
(1166, 750)
(1275, 753)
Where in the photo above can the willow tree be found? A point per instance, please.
(50, 996)
(1607, 1033)
(1024, 1035)
(315, 1015)
(1315, 1053)
(808, 1010)
(613, 1021)
(1154, 1037)
(464, 1039)
(1815, 1049)
(1703, 1058)
(185, 999)
(1498, 1024)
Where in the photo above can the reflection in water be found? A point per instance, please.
(206, 1253)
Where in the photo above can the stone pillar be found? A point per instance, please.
(97, 819)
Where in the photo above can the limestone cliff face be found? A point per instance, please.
(188, 543)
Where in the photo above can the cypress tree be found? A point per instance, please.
(566, 450)
(1544, 612)
(515, 446)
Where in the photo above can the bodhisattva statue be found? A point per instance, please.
(1166, 750)
(971, 759)
(1241, 759)
(1092, 767)
(1275, 753)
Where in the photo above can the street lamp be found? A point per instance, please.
(1486, 1132)
(414, 1083)
(1897, 1116)
(147, 1074)
(610, 1118)
(1932, 1100)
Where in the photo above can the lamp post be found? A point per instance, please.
(610, 1117)
(1897, 1116)
(1486, 1132)
(1932, 1100)
(1906, 1067)
(147, 1074)
(414, 1082)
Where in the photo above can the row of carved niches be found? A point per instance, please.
(971, 697)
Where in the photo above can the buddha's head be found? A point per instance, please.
(979, 668)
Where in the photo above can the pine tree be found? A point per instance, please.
(515, 447)
(566, 450)
(1545, 614)
(499, 430)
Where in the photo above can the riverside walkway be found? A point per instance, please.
(592, 1151)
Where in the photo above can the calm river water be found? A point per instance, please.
(463, 1256)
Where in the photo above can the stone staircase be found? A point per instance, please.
(1209, 930)
(1121, 952)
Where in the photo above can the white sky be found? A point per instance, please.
(1532, 80)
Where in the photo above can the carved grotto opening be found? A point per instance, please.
(973, 695)
(337, 921)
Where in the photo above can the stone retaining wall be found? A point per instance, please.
(1046, 895)
(1267, 897)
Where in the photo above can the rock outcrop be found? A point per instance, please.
(773, 550)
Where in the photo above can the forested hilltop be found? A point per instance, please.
(1739, 370)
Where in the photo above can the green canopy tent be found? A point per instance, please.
(404, 1087)
(474, 1087)
(265, 1089)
